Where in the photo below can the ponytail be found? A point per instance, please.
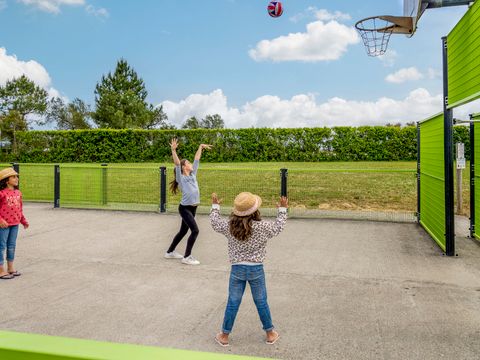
(174, 183)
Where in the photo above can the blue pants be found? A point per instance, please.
(239, 276)
(8, 240)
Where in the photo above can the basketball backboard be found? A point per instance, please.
(414, 10)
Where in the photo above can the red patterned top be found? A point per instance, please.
(11, 207)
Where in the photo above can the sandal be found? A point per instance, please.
(271, 342)
(221, 343)
(7, 277)
(14, 273)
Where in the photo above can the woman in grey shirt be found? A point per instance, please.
(186, 180)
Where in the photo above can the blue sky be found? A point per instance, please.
(306, 68)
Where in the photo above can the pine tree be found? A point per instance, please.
(120, 100)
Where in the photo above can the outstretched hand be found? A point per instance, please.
(174, 144)
(205, 146)
(283, 202)
(215, 199)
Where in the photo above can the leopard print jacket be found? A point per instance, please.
(254, 248)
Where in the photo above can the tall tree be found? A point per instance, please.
(10, 123)
(71, 116)
(191, 123)
(212, 122)
(120, 100)
(19, 98)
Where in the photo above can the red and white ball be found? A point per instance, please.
(275, 8)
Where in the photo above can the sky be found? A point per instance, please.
(307, 68)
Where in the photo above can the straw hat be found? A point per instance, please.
(6, 173)
(246, 204)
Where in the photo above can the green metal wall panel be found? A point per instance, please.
(20, 346)
(432, 178)
(464, 58)
(476, 150)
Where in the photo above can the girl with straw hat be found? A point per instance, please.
(247, 236)
(11, 214)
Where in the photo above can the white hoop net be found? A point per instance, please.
(375, 33)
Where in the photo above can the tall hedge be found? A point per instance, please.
(368, 143)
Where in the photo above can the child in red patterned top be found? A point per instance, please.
(11, 214)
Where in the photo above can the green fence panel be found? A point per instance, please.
(36, 182)
(375, 194)
(20, 346)
(464, 58)
(432, 179)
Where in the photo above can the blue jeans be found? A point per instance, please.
(8, 240)
(239, 276)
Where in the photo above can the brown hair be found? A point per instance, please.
(241, 226)
(174, 183)
(3, 183)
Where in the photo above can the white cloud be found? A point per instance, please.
(101, 12)
(325, 15)
(51, 6)
(322, 41)
(405, 74)
(303, 110)
(3, 4)
(11, 67)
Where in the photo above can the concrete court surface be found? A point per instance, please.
(337, 289)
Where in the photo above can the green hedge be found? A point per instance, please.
(368, 143)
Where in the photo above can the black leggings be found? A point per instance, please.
(188, 222)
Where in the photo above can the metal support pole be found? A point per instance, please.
(163, 189)
(472, 180)
(448, 157)
(444, 3)
(56, 186)
(418, 172)
(283, 177)
(104, 184)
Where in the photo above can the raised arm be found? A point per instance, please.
(198, 154)
(274, 228)
(219, 224)
(173, 146)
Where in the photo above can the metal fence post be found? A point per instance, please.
(418, 172)
(163, 189)
(448, 157)
(56, 184)
(283, 186)
(104, 184)
(472, 180)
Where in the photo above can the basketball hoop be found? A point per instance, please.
(376, 30)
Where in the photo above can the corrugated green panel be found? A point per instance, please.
(464, 58)
(19, 346)
(477, 178)
(432, 179)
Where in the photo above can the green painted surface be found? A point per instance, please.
(464, 58)
(432, 178)
(20, 346)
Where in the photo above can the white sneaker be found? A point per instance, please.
(173, 255)
(190, 260)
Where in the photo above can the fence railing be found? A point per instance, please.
(371, 194)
